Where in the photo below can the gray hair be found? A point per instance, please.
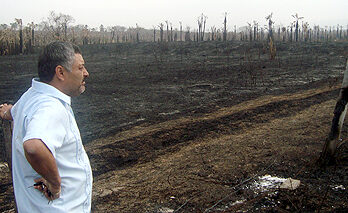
(54, 54)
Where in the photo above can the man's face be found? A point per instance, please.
(75, 83)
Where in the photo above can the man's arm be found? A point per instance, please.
(43, 162)
(5, 111)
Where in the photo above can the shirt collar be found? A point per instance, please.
(49, 90)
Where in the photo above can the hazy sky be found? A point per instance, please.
(149, 13)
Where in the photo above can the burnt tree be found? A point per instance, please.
(270, 26)
(296, 26)
(224, 37)
(19, 21)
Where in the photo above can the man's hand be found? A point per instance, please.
(5, 111)
(50, 191)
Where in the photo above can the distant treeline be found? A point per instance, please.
(18, 39)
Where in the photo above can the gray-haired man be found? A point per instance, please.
(47, 150)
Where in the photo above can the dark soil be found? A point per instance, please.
(189, 126)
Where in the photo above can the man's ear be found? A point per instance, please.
(60, 72)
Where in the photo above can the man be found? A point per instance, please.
(51, 170)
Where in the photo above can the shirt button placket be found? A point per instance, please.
(85, 205)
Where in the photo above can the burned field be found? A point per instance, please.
(191, 126)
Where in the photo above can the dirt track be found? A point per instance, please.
(191, 130)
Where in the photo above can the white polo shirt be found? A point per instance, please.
(43, 112)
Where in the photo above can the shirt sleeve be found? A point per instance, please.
(48, 123)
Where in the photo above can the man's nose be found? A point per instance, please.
(86, 74)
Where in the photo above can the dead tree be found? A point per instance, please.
(168, 36)
(32, 27)
(256, 26)
(66, 19)
(284, 34)
(234, 33)
(171, 32)
(154, 33)
(59, 24)
(250, 29)
(161, 31)
(224, 37)
(19, 21)
(291, 33)
(55, 24)
(334, 141)
(213, 33)
(296, 26)
(137, 29)
(270, 26)
(305, 31)
(204, 19)
(180, 31)
(113, 33)
(85, 34)
(201, 27)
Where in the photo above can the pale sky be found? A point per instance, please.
(149, 13)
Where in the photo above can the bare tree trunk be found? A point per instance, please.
(213, 31)
(112, 36)
(333, 140)
(187, 34)
(20, 23)
(270, 30)
(180, 31)
(205, 21)
(235, 33)
(168, 36)
(161, 32)
(279, 37)
(225, 28)
(199, 22)
(171, 33)
(32, 34)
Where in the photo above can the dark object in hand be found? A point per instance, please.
(43, 186)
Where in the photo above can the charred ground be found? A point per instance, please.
(188, 125)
